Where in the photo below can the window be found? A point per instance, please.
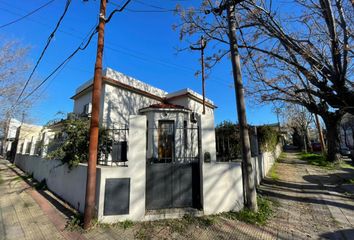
(165, 141)
(185, 134)
(87, 109)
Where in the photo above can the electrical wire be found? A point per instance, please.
(27, 15)
(80, 48)
(62, 64)
(44, 49)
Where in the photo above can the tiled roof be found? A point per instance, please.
(166, 105)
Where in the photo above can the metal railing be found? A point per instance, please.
(172, 145)
(115, 148)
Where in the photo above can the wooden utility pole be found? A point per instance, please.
(201, 49)
(94, 127)
(320, 134)
(251, 194)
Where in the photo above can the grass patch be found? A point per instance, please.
(148, 230)
(317, 160)
(273, 172)
(75, 223)
(265, 211)
(348, 181)
(346, 165)
(282, 155)
(27, 205)
(320, 161)
(126, 224)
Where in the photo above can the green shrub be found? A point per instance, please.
(75, 146)
(268, 138)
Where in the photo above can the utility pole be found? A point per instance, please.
(277, 111)
(320, 134)
(248, 168)
(251, 194)
(94, 127)
(201, 49)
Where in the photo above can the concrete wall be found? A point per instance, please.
(264, 162)
(222, 188)
(69, 185)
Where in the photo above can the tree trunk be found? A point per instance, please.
(333, 144)
(308, 141)
(251, 193)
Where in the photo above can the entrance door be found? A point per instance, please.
(170, 182)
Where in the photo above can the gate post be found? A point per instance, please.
(137, 163)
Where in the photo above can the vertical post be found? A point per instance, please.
(251, 194)
(201, 49)
(320, 133)
(202, 46)
(94, 127)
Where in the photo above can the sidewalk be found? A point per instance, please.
(26, 214)
(312, 202)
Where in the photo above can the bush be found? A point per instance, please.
(268, 138)
(75, 146)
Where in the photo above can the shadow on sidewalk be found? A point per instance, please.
(341, 234)
(55, 200)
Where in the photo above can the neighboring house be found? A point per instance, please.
(347, 131)
(27, 139)
(9, 143)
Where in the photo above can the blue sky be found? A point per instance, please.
(141, 45)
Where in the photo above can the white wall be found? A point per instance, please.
(196, 106)
(119, 104)
(222, 188)
(86, 98)
(264, 162)
(69, 185)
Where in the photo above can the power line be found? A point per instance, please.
(44, 49)
(62, 64)
(80, 48)
(27, 15)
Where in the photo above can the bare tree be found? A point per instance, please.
(299, 118)
(301, 57)
(13, 69)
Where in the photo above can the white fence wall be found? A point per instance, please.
(69, 185)
(221, 182)
(264, 162)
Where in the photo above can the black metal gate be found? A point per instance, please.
(172, 167)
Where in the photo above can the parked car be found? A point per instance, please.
(344, 151)
(316, 147)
